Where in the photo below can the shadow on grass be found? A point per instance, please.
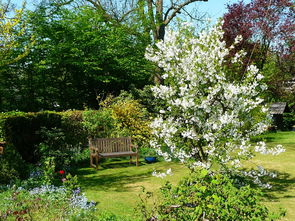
(113, 182)
(108, 178)
(280, 186)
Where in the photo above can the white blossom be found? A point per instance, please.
(162, 175)
(208, 116)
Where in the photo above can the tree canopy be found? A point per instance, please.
(77, 57)
(267, 29)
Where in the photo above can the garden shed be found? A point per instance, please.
(277, 110)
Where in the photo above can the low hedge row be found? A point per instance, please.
(25, 131)
(31, 137)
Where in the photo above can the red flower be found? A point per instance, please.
(61, 172)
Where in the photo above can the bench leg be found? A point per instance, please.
(137, 160)
(96, 161)
(91, 161)
(130, 161)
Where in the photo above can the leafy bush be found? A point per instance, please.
(132, 119)
(32, 137)
(288, 120)
(24, 131)
(204, 196)
(119, 117)
(12, 166)
(147, 152)
(44, 203)
(99, 123)
(146, 97)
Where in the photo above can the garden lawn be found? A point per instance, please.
(282, 194)
(116, 185)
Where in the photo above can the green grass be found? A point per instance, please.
(116, 185)
(282, 194)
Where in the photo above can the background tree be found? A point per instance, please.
(155, 15)
(77, 57)
(150, 17)
(267, 28)
(11, 27)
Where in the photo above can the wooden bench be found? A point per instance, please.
(111, 147)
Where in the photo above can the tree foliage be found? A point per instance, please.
(11, 27)
(77, 57)
(267, 28)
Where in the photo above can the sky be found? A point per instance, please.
(214, 8)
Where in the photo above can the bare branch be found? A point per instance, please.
(109, 9)
(177, 9)
(194, 17)
(126, 14)
(97, 4)
(168, 11)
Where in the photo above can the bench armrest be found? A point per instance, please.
(135, 146)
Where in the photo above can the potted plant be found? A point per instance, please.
(149, 154)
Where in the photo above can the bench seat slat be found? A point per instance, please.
(118, 154)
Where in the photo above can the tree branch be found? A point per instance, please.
(126, 14)
(151, 18)
(98, 5)
(177, 9)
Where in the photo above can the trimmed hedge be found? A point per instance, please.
(31, 137)
(23, 131)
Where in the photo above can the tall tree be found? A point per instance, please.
(157, 14)
(207, 119)
(270, 24)
(150, 16)
(11, 27)
(267, 28)
(77, 57)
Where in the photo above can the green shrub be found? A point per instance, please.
(72, 127)
(12, 166)
(132, 119)
(288, 120)
(119, 117)
(147, 152)
(204, 196)
(35, 136)
(23, 132)
(99, 123)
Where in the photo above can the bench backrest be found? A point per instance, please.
(110, 145)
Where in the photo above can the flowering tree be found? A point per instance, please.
(208, 116)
